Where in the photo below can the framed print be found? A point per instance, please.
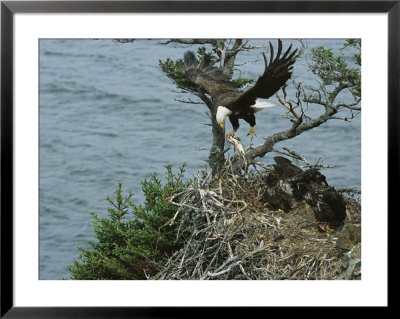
(164, 155)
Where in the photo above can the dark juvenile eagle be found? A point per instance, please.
(287, 185)
(230, 100)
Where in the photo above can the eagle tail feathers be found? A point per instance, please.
(259, 105)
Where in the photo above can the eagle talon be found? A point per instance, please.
(251, 132)
(228, 99)
(231, 134)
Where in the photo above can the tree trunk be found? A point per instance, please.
(216, 158)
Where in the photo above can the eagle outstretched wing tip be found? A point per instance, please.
(189, 59)
(276, 73)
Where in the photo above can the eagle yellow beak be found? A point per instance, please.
(222, 125)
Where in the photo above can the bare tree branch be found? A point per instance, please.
(331, 74)
(191, 41)
(188, 101)
(296, 156)
(295, 130)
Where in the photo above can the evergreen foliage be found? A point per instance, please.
(175, 70)
(133, 239)
(332, 69)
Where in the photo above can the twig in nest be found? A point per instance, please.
(223, 241)
(296, 156)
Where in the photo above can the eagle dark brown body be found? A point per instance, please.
(226, 95)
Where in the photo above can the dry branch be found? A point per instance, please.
(229, 234)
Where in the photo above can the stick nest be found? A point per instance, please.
(229, 234)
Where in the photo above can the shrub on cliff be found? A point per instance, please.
(133, 239)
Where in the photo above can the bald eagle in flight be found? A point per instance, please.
(230, 100)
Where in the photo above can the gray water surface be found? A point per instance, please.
(108, 114)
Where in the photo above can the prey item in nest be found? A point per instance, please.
(235, 141)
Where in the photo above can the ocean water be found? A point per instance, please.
(108, 114)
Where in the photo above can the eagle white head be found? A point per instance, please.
(222, 113)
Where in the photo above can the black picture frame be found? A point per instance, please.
(9, 8)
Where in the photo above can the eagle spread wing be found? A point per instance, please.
(275, 75)
(210, 78)
(218, 85)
